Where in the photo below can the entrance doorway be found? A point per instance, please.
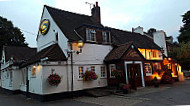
(134, 74)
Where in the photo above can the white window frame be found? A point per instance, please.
(79, 73)
(110, 69)
(90, 33)
(93, 68)
(103, 71)
(149, 73)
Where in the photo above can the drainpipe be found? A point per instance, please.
(71, 67)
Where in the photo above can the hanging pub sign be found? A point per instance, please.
(44, 26)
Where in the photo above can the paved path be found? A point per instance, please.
(176, 94)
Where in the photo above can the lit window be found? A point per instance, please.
(169, 66)
(103, 72)
(112, 68)
(154, 54)
(34, 71)
(148, 69)
(90, 35)
(92, 68)
(81, 69)
(105, 37)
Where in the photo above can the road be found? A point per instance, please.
(176, 94)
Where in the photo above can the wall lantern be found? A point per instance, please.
(80, 45)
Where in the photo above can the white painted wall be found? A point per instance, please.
(35, 83)
(44, 41)
(60, 70)
(159, 39)
(6, 79)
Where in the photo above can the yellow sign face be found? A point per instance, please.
(44, 26)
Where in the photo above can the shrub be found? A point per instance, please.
(116, 73)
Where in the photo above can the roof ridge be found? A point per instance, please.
(66, 11)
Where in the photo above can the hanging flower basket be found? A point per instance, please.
(89, 76)
(54, 79)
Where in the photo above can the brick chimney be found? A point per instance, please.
(95, 11)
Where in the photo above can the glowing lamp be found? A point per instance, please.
(80, 45)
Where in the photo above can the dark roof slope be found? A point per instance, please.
(68, 21)
(117, 52)
(140, 41)
(53, 53)
(18, 53)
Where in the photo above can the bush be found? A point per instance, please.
(167, 77)
(116, 73)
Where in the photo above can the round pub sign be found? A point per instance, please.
(44, 26)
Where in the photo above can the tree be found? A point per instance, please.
(185, 29)
(151, 31)
(182, 54)
(10, 35)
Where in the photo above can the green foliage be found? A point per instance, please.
(116, 73)
(10, 35)
(182, 54)
(185, 29)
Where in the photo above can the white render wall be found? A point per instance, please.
(60, 70)
(48, 39)
(6, 79)
(159, 39)
(35, 83)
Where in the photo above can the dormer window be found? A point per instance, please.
(90, 35)
(105, 37)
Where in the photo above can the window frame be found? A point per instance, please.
(80, 75)
(90, 35)
(93, 68)
(103, 72)
(149, 73)
(110, 69)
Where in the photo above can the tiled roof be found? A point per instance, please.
(68, 21)
(117, 52)
(52, 53)
(141, 41)
(18, 53)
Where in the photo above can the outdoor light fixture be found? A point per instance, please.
(80, 45)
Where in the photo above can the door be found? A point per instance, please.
(134, 75)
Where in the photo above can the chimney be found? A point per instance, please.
(159, 38)
(138, 30)
(95, 11)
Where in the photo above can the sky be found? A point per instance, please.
(122, 14)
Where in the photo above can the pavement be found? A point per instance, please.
(171, 94)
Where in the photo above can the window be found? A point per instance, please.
(90, 35)
(33, 71)
(112, 68)
(105, 37)
(103, 72)
(148, 69)
(11, 78)
(154, 54)
(81, 69)
(92, 68)
(56, 37)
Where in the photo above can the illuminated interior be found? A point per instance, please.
(151, 54)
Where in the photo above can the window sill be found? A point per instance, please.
(148, 74)
(103, 77)
(80, 79)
